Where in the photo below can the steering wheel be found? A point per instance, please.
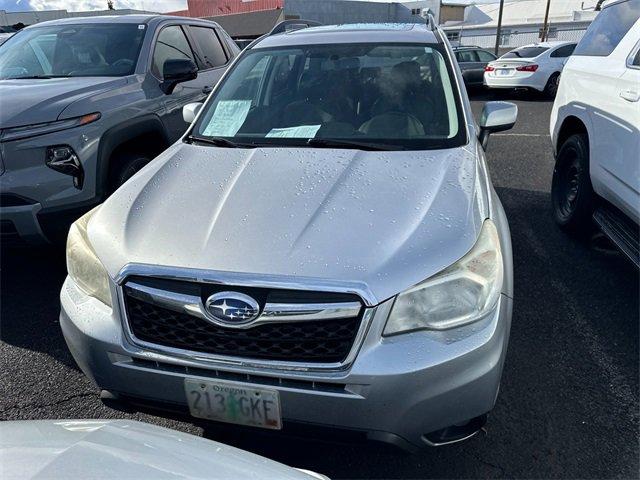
(122, 63)
(412, 119)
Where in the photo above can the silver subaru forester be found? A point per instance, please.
(323, 246)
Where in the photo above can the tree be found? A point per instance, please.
(110, 5)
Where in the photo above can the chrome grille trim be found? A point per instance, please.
(272, 313)
(137, 347)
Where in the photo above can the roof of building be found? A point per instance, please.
(527, 12)
(353, 33)
(249, 25)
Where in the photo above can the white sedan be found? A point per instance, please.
(536, 66)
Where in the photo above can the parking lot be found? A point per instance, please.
(568, 405)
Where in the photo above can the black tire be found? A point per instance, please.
(125, 166)
(551, 89)
(572, 195)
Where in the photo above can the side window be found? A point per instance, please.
(171, 44)
(466, 56)
(210, 47)
(563, 52)
(485, 56)
(609, 27)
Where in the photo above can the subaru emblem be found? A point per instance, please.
(231, 308)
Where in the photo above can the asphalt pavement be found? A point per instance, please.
(568, 406)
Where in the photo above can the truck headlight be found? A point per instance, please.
(27, 131)
(460, 294)
(82, 263)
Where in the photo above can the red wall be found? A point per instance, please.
(211, 8)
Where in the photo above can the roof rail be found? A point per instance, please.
(288, 25)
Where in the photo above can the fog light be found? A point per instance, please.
(63, 159)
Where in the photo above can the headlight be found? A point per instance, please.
(82, 263)
(16, 133)
(460, 294)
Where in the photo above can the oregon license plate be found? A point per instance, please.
(233, 403)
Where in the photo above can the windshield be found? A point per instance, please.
(525, 52)
(72, 51)
(391, 95)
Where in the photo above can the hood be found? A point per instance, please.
(384, 220)
(26, 102)
(119, 449)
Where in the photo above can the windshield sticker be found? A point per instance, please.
(303, 131)
(228, 118)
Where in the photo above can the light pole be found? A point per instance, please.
(546, 22)
(498, 31)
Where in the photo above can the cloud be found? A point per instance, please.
(85, 5)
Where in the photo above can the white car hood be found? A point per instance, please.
(384, 220)
(120, 449)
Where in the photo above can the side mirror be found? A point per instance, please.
(496, 117)
(190, 112)
(177, 71)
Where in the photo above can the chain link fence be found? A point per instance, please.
(511, 38)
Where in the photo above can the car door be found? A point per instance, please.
(172, 43)
(212, 54)
(625, 164)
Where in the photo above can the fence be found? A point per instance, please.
(511, 38)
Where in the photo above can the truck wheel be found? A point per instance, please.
(551, 89)
(125, 166)
(572, 195)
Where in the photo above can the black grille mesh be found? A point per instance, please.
(315, 341)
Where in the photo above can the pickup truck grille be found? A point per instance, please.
(309, 341)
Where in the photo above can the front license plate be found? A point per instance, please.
(233, 403)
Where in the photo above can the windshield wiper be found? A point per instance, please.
(215, 141)
(352, 144)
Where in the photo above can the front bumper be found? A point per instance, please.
(37, 203)
(397, 389)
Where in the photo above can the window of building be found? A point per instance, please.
(505, 37)
(609, 27)
(453, 36)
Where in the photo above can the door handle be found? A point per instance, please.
(630, 95)
(207, 90)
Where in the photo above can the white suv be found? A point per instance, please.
(594, 129)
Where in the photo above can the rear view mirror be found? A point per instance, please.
(496, 117)
(190, 112)
(176, 71)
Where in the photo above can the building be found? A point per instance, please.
(235, 15)
(37, 16)
(522, 22)
(451, 12)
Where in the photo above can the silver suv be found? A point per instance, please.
(324, 246)
(87, 102)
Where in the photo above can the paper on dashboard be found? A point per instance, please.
(228, 117)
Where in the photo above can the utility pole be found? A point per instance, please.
(545, 28)
(499, 30)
